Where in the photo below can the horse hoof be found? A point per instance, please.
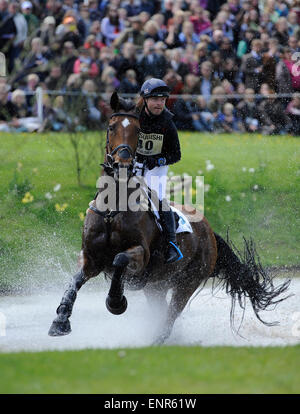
(59, 328)
(117, 308)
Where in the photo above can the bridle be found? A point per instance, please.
(121, 146)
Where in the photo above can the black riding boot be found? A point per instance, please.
(169, 228)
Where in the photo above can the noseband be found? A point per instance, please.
(122, 146)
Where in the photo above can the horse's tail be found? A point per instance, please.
(243, 276)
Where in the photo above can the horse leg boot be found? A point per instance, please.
(134, 259)
(166, 214)
(116, 302)
(61, 324)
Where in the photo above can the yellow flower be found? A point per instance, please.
(19, 166)
(81, 216)
(28, 198)
(61, 208)
(34, 170)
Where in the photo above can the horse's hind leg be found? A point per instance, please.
(61, 324)
(156, 298)
(180, 298)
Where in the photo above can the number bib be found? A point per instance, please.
(150, 144)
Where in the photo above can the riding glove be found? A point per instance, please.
(155, 162)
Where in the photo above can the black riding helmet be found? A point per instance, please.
(154, 87)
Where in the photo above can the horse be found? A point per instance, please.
(128, 247)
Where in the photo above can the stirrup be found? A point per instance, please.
(180, 255)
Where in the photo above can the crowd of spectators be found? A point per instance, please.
(232, 66)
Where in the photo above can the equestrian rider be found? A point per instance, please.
(158, 147)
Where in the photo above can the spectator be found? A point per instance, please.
(55, 81)
(126, 60)
(58, 119)
(226, 51)
(152, 64)
(36, 61)
(252, 66)
(22, 121)
(30, 90)
(111, 25)
(162, 30)
(248, 114)
(133, 34)
(31, 19)
(188, 36)
(283, 76)
(175, 83)
(129, 83)
(190, 60)
(177, 64)
(244, 44)
(226, 119)
(151, 30)
(3, 10)
(7, 109)
(174, 27)
(85, 20)
(216, 41)
(281, 31)
(293, 69)
(202, 25)
(90, 116)
(68, 32)
(13, 32)
(85, 65)
(95, 30)
(46, 32)
(68, 58)
(207, 82)
(200, 54)
(293, 112)
(91, 41)
(292, 23)
(273, 117)
(109, 80)
(132, 7)
(215, 105)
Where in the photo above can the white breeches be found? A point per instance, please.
(156, 178)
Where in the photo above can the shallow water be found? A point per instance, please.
(25, 320)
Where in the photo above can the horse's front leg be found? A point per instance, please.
(135, 259)
(61, 324)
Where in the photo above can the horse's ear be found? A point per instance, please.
(114, 101)
(139, 105)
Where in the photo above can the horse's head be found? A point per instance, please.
(122, 136)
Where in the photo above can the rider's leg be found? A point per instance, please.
(167, 219)
(156, 179)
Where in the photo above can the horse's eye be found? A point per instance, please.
(111, 127)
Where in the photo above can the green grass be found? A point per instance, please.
(34, 233)
(181, 370)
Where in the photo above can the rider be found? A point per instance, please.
(158, 147)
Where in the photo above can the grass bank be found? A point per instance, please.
(159, 370)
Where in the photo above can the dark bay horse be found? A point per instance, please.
(128, 246)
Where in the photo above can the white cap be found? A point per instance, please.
(26, 5)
